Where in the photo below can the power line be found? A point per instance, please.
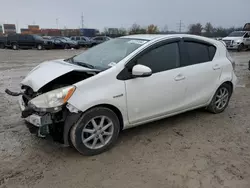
(57, 25)
(180, 25)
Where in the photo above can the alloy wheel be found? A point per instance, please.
(221, 98)
(97, 132)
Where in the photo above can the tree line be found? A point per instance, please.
(207, 30)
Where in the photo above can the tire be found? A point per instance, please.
(2, 46)
(94, 145)
(66, 46)
(39, 47)
(214, 106)
(241, 47)
(14, 46)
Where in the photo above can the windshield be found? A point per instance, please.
(236, 34)
(38, 37)
(109, 53)
(66, 38)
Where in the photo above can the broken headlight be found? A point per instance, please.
(53, 99)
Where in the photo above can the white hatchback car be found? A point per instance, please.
(86, 100)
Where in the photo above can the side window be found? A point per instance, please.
(197, 53)
(212, 51)
(77, 38)
(246, 35)
(29, 37)
(162, 58)
(83, 39)
(72, 38)
(21, 37)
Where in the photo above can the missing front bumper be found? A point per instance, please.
(29, 115)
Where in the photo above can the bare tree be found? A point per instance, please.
(137, 29)
(209, 29)
(195, 29)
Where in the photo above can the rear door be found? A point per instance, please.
(201, 71)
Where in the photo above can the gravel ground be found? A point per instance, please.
(195, 149)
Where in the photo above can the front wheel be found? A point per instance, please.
(241, 47)
(220, 99)
(96, 131)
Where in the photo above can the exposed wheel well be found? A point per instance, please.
(115, 110)
(229, 83)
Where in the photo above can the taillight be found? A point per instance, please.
(231, 59)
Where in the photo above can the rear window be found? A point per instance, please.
(198, 52)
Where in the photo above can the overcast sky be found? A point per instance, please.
(117, 13)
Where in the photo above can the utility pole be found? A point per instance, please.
(17, 29)
(82, 21)
(57, 23)
(180, 25)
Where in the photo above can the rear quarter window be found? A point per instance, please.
(198, 52)
(212, 51)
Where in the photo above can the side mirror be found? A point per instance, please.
(141, 71)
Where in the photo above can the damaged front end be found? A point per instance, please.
(46, 113)
(45, 108)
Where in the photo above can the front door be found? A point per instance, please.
(247, 39)
(162, 92)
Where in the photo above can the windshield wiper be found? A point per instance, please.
(84, 65)
(71, 60)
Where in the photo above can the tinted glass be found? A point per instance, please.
(77, 38)
(197, 53)
(246, 35)
(29, 37)
(212, 51)
(162, 58)
(22, 37)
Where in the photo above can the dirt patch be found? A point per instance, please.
(195, 149)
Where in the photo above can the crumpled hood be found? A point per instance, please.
(48, 71)
(232, 38)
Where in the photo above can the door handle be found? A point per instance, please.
(216, 67)
(179, 77)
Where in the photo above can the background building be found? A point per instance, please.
(9, 28)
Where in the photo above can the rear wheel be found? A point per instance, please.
(96, 131)
(14, 46)
(66, 46)
(221, 99)
(1, 46)
(39, 47)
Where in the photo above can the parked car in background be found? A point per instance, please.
(3, 41)
(86, 100)
(99, 40)
(238, 40)
(19, 41)
(82, 41)
(64, 43)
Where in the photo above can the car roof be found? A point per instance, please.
(151, 37)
